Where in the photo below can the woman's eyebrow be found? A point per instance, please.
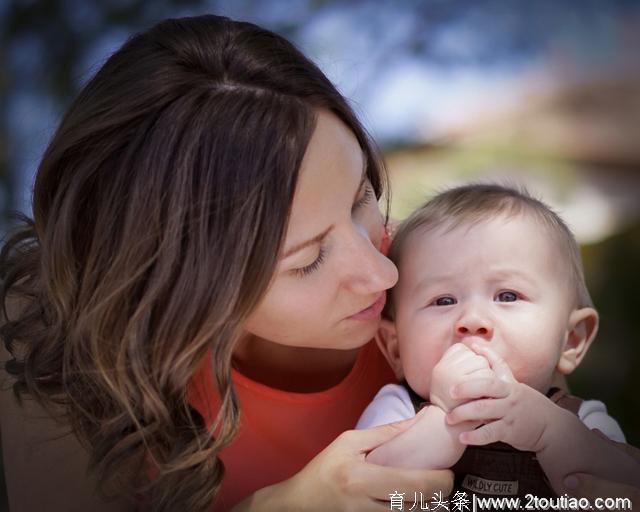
(319, 237)
(312, 241)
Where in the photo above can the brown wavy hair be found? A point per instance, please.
(159, 210)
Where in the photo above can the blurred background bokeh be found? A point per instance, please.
(544, 93)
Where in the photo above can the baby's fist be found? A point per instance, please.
(458, 363)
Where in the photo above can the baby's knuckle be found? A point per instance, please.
(487, 434)
(497, 386)
(481, 406)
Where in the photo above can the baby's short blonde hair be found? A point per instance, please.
(475, 203)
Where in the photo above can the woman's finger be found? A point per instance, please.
(582, 485)
(365, 440)
(480, 388)
(497, 363)
(481, 410)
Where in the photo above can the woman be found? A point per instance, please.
(196, 293)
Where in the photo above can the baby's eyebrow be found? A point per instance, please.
(433, 280)
(496, 275)
(508, 273)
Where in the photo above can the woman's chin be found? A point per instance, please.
(358, 333)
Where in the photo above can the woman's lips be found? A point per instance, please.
(373, 311)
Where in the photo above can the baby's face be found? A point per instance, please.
(500, 282)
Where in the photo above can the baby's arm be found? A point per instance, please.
(517, 414)
(430, 443)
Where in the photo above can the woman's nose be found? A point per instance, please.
(474, 322)
(368, 271)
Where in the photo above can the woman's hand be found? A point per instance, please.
(582, 485)
(339, 478)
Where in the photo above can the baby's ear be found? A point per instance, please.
(581, 330)
(387, 340)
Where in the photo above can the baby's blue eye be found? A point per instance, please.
(506, 297)
(444, 301)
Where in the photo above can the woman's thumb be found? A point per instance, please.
(367, 439)
(583, 485)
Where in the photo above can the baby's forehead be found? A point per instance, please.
(467, 238)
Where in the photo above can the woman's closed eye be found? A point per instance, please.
(365, 198)
(304, 271)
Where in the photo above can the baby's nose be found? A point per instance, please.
(474, 326)
(477, 331)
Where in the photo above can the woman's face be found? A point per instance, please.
(329, 286)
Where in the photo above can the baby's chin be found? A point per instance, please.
(421, 390)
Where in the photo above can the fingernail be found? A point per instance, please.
(571, 482)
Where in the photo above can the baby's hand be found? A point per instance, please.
(512, 412)
(457, 365)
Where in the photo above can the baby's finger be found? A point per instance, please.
(480, 388)
(482, 373)
(486, 434)
(479, 410)
(456, 353)
(498, 364)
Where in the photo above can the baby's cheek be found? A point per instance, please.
(418, 373)
(537, 374)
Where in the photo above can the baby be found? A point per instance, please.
(490, 312)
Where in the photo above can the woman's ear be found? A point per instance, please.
(387, 340)
(581, 330)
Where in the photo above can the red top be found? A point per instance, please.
(281, 431)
